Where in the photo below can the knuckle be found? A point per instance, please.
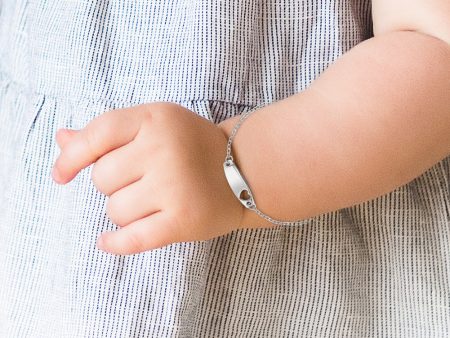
(134, 242)
(162, 110)
(149, 107)
(91, 141)
(114, 212)
(97, 132)
(98, 177)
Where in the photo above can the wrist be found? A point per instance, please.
(249, 219)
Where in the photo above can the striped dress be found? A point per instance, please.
(377, 269)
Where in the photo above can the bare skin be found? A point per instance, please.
(373, 121)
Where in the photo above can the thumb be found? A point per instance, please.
(63, 136)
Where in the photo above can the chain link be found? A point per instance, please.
(235, 129)
(229, 157)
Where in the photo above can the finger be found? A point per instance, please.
(136, 201)
(63, 136)
(118, 169)
(106, 132)
(152, 232)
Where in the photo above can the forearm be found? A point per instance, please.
(373, 121)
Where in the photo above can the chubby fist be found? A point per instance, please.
(162, 167)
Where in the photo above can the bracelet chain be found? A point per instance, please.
(229, 158)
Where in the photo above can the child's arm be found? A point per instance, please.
(375, 120)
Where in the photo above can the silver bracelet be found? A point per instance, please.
(237, 182)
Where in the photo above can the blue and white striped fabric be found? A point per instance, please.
(378, 269)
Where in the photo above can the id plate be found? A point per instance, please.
(238, 184)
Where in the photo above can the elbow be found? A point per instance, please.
(431, 23)
(442, 36)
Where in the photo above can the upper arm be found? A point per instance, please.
(431, 17)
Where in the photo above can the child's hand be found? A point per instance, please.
(162, 167)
